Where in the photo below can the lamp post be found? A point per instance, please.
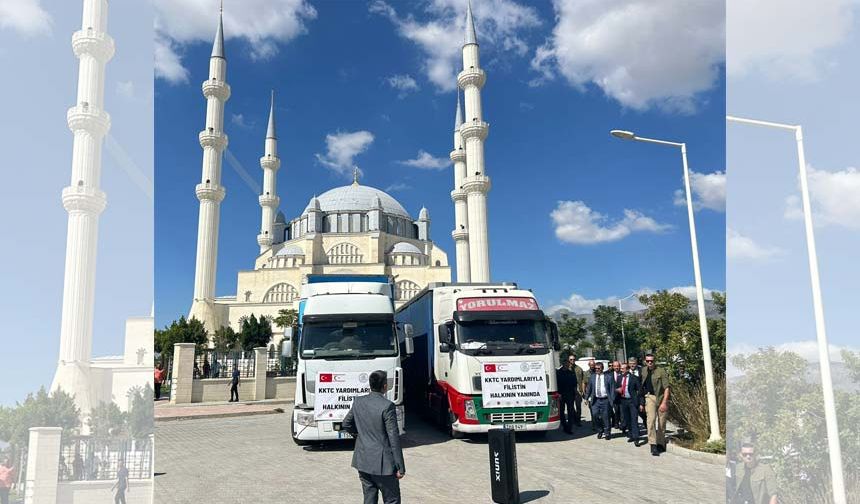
(713, 415)
(623, 336)
(830, 419)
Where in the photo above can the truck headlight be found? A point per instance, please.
(471, 412)
(305, 418)
(554, 408)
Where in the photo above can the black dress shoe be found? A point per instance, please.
(662, 448)
(599, 435)
(655, 451)
(608, 437)
(631, 440)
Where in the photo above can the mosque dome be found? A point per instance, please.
(405, 248)
(290, 250)
(361, 198)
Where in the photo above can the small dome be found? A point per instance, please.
(405, 248)
(280, 218)
(356, 197)
(424, 214)
(313, 204)
(290, 250)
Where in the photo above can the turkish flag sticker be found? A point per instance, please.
(489, 368)
(325, 377)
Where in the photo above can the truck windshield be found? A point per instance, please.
(366, 339)
(503, 336)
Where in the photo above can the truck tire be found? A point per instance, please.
(449, 426)
(299, 442)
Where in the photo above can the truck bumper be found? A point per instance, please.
(324, 430)
(482, 428)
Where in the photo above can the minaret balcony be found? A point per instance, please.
(476, 183)
(471, 77)
(84, 199)
(458, 195)
(458, 155)
(217, 89)
(86, 117)
(213, 138)
(267, 200)
(460, 234)
(264, 240)
(97, 44)
(212, 192)
(270, 163)
(474, 128)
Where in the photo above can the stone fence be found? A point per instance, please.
(185, 388)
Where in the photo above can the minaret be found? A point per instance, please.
(209, 191)
(474, 132)
(461, 212)
(84, 201)
(269, 201)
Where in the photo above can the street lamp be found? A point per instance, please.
(818, 309)
(713, 415)
(623, 336)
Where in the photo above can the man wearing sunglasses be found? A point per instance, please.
(655, 384)
(756, 483)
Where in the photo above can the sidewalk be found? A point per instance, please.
(164, 411)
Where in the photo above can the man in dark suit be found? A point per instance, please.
(631, 402)
(615, 410)
(601, 394)
(567, 387)
(372, 420)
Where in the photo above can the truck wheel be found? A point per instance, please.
(455, 434)
(299, 442)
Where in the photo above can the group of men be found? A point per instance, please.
(617, 397)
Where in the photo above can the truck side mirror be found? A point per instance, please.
(408, 331)
(445, 333)
(408, 342)
(444, 347)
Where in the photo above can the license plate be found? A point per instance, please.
(515, 426)
(343, 435)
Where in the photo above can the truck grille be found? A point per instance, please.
(504, 418)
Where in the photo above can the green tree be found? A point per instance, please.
(852, 362)
(571, 330)
(141, 412)
(106, 420)
(606, 331)
(255, 332)
(38, 410)
(672, 334)
(287, 318)
(180, 331)
(225, 339)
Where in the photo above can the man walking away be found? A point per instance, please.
(372, 420)
(756, 483)
(631, 401)
(234, 386)
(655, 384)
(7, 477)
(158, 379)
(567, 387)
(121, 484)
(601, 394)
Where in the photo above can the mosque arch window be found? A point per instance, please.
(344, 253)
(281, 293)
(405, 290)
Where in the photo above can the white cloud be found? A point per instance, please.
(576, 223)
(342, 147)
(641, 53)
(499, 24)
(740, 247)
(784, 38)
(579, 304)
(125, 89)
(25, 16)
(404, 84)
(834, 198)
(426, 161)
(240, 121)
(709, 191)
(397, 186)
(263, 24)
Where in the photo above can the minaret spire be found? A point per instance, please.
(269, 201)
(209, 191)
(461, 212)
(84, 201)
(474, 131)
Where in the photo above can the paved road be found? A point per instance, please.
(253, 460)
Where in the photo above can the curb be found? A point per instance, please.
(711, 458)
(219, 415)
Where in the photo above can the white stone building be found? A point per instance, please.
(350, 229)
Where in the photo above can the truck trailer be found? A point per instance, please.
(484, 356)
(346, 331)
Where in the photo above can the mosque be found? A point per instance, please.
(353, 229)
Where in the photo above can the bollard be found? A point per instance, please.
(504, 482)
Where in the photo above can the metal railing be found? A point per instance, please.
(213, 364)
(84, 458)
(278, 365)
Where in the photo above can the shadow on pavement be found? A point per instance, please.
(533, 495)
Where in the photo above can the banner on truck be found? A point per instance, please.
(335, 392)
(513, 384)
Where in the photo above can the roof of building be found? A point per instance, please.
(290, 250)
(357, 197)
(405, 247)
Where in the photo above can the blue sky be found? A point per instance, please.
(41, 82)
(782, 74)
(561, 184)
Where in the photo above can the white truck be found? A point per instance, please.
(484, 356)
(346, 331)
